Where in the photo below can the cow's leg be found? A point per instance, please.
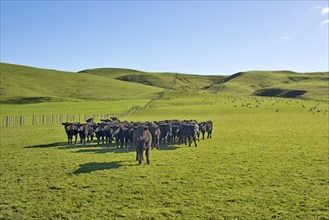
(157, 144)
(75, 139)
(140, 159)
(117, 141)
(189, 141)
(122, 143)
(194, 139)
(203, 135)
(126, 142)
(147, 154)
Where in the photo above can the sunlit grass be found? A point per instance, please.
(263, 162)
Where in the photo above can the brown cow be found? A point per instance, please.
(142, 140)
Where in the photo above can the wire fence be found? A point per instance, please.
(21, 120)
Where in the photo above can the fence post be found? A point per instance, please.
(20, 120)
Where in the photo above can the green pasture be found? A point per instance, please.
(86, 107)
(268, 158)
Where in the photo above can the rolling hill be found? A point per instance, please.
(23, 84)
(279, 83)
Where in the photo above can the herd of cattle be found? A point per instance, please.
(141, 135)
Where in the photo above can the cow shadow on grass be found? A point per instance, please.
(169, 147)
(93, 166)
(62, 145)
(55, 144)
(95, 148)
(101, 149)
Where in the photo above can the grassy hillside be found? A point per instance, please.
(21, 84)
(176, 81)
(314, 85)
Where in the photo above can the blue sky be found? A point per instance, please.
(199, 37)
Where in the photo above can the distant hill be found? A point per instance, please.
(23, 84)
(279, 83)
(158, 79)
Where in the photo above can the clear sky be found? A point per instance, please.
(199, 37)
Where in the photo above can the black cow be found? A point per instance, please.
(174, 132)
(165, 132)
(108, 132)
(100, 132)
(118, 134)
(90, 120)
(71, 130)
(128, 133)
(188, 131)
(202, 127)
(142, 141)
(86, 131)
(209, 127)
(155, 132)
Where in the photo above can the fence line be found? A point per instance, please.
(13, 121)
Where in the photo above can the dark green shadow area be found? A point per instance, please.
(55, 144)
(96, 148)
(91, 167)
(99, 149)
(169, 147)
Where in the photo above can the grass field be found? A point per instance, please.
(86, 107)
(269, 161)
